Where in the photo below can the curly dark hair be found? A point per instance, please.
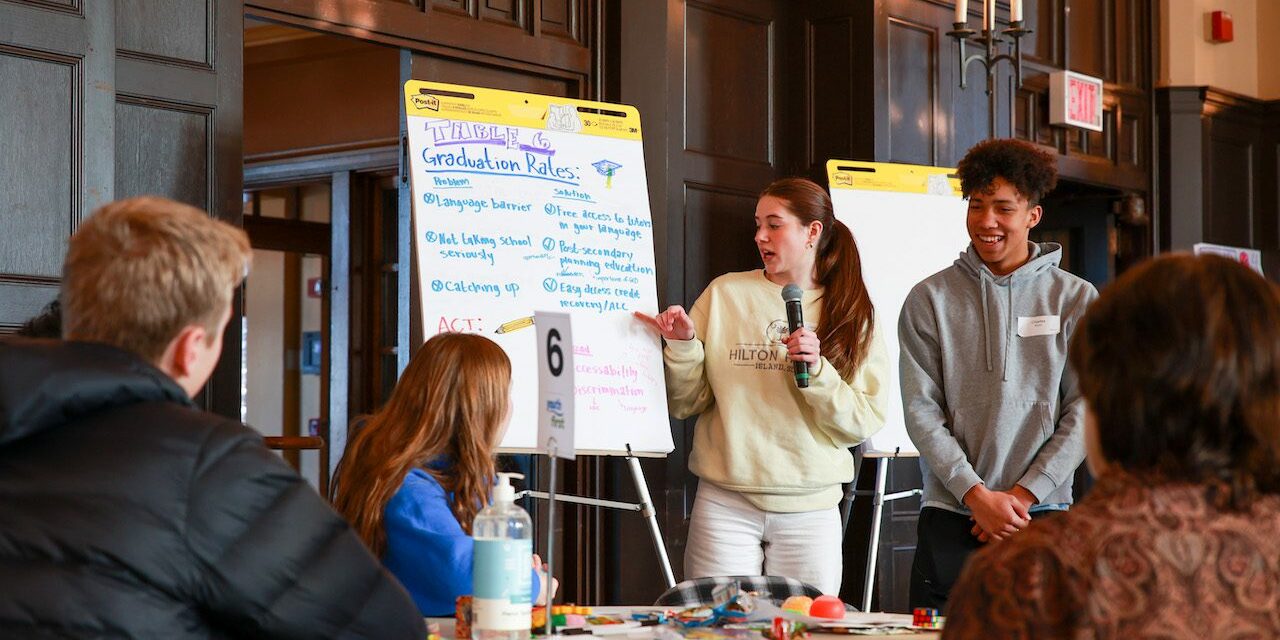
(1179, 360)
(1032, 171)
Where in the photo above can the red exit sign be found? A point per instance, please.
(1075, 100)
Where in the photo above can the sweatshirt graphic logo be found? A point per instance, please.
(767, 355)
(776, 331)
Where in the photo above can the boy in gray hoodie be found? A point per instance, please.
(989, 399)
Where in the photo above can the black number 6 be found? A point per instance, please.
(555, 357)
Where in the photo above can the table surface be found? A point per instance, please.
(447, 624)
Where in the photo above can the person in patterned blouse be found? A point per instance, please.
(1179, 363)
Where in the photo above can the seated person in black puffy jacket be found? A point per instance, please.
(125, 511)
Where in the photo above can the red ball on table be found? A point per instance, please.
(829, 607)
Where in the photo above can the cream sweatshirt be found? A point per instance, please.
(785, 449)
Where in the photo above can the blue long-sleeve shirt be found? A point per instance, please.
(427, 550)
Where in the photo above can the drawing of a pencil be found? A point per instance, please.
(518, 323)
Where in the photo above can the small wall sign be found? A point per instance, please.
(1075, 100)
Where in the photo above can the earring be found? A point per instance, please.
(809, 246)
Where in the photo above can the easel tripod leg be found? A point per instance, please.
(650, 516)
(551, 539)
(877, 511)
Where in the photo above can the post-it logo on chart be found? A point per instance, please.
(426, 102)
(937, 184)
(563, 117)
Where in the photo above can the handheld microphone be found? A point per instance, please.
(791, 294)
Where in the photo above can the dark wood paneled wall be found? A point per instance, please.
(838, 85)
(735, 138)
(1220, 167)
(883, 84)
(106, 100)
(519, 35)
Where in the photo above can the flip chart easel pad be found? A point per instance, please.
(525, 202)
(908, 221)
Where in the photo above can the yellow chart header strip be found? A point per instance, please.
(888, 176)
(512, 108)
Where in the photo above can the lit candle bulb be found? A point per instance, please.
(962, 11)
(1015, 10)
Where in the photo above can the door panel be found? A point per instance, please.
(166, 148)
(179, 30)
(729, 82)
(36, 81)
(57, 70)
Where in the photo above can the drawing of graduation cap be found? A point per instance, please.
(606, 168)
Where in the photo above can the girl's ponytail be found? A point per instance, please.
(848, 317)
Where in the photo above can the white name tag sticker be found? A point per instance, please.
(1039, 326)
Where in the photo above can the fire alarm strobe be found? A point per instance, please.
(1220, 27)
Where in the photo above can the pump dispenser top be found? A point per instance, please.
(503, 492)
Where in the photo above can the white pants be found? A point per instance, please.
(729, 536)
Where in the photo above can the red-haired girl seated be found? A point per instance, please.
(417, 472)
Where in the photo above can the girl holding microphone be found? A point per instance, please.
(770, 456)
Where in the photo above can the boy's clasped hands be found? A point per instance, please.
(998, 514)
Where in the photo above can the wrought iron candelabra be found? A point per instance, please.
(991, 40)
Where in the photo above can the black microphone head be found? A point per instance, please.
(792, 293)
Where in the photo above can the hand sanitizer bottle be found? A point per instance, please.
(502, 566)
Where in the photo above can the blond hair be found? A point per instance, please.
(141, 269)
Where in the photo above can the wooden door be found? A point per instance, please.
(106, 100)
(178, 126)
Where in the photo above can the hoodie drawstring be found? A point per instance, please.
(1043, 256)
(1008, 341)
(986, 323)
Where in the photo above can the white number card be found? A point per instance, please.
(555, 383)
